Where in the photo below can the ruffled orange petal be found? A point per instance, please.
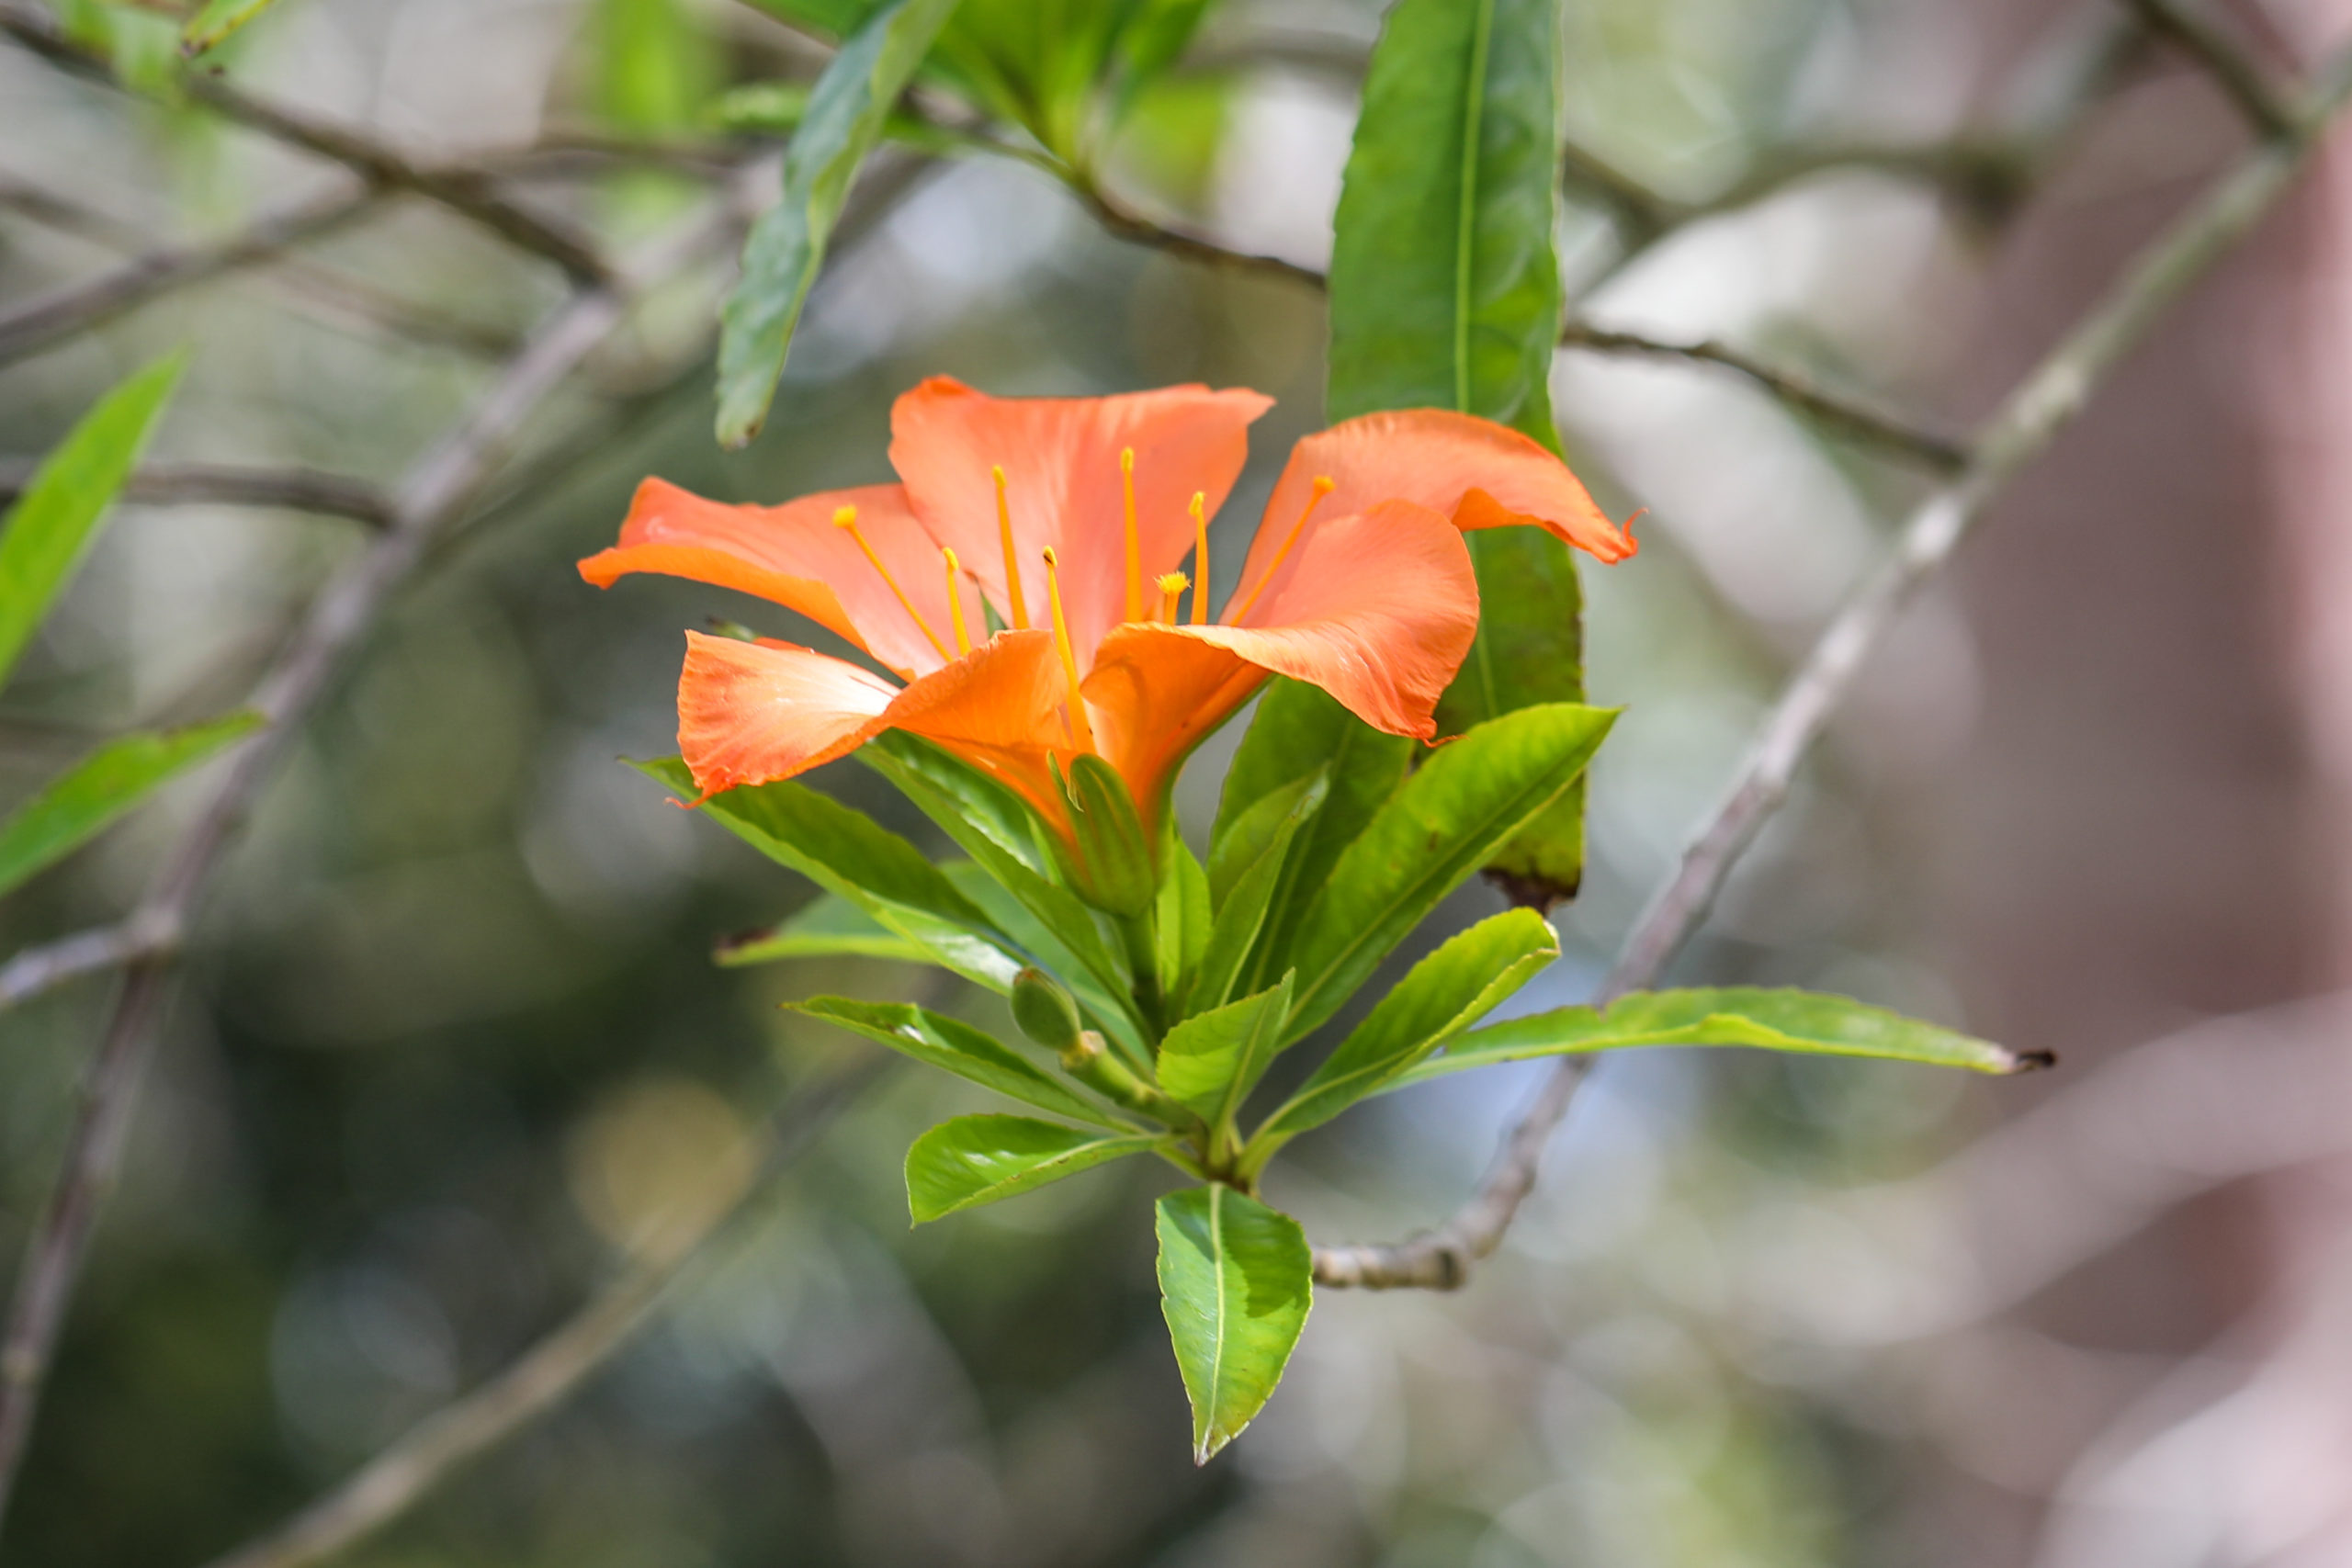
(1060, 458)
(1379, 612)
(1479, 473)
(753, 713)
(795, 555)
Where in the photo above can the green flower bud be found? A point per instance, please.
(1043, 1011)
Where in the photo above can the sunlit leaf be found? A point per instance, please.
(1806, 1022)
(1236, 1280)
(1211, 1060)
(967, 1052)
(112, 780)
(1446, 821)
(44, 536)
(830, 925)
(973, 1160)
(1241, 920)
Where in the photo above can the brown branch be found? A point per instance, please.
(391, 1484)
(1131, 225)
(79, 307)
(433, 496)
(33, 970)
(2020, 431)
(2243, 83)
(463, 191)
(177, 484)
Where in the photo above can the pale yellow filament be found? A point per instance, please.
(1080, 732)
(1012, 563)
(846, 520)
(955, 603)
(1324, 485)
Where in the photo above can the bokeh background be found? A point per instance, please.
(452, 1038)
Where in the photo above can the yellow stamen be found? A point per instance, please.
(955, 603)
(1200, 560)
(1011, 564)
(846, 520)
(1324, 485)
(1135, 546)
(1170, 584)
(1081, 733)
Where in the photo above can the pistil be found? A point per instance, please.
(955, 603)
(1135, 545)
(1324, 485)
(1200, 560)
(846, 520)
(1012, 562)
(1171, 585)
(1081, 734)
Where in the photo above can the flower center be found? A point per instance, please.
(846, 520)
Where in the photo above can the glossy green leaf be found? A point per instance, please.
(217, 20)
(1806, 1021)
(829, 926)
(1298, 728)
(1529, 649)
(973, 1160)
(967, 1052)
(1445, 292)
(1466, 978)
(847, 852)
(1241, 920)
(1447, 821)
(1106, 1005)
(787, 247)
(110, 782)
(1210, 1062)
(1236, 1280)
(44, 536)
(1115, 865)
(1244, 841)
(1181, 918)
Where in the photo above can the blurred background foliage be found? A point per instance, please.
(452, 1039)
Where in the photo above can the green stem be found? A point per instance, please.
(1140, 935)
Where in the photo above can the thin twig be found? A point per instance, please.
(1130, 225)
(176, 484)
(37, 969)
(464, 191)
(1800, 392)
(2243, 83)
(392, 1482)
(79, 307)
(2042, 404)
(436, 494)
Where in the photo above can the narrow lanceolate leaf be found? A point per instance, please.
(1243, 843)
(1445, 293)
(1447, 821)
(973, 1160)
(967, 1052)
(1212, 1061)
(1108, 1007)
(107, 784)
(1806, 1022)
(849, 853)
(217, 20)
(847, 110)
(1445, 994)
(44, 536)
(1181, 918)
(829, 927)
(1236, 1279)
(1241, 920)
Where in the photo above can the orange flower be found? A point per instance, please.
(1068, 518)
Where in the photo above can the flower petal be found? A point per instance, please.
(793, 554)
(1063, 485)
(1379, 612)
(1477, 472)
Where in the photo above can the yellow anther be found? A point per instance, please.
(1324, 485)
(1081, 734)
(956, 603)
(1172, 583)
(846, 520)
(1200, 559)
(1135, 545)
(1012, 562)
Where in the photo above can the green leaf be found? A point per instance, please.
(1106, 1006)
(1298, 728)
(1211, 1060)
(217, 20)
(967, 1052)
(829, 926)
(847, 852)
(1529, 649)
(1445, 292)
(973, 1160)
(1115, 865)
(654, 64)
(1236, 1280)
(103, 786)
(1239, 921)
(846, 114)
(1466, 800)
(44, 536)
(1804, 1021)
(1183, 917)
(1244, 841)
